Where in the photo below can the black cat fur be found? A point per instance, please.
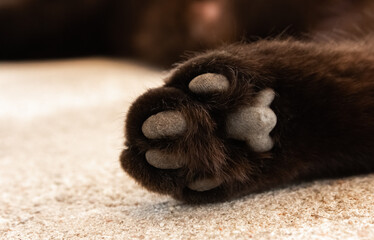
(321, 68)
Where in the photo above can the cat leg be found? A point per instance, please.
(252, 117)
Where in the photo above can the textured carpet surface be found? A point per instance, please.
(60, 137)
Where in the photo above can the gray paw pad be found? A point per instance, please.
(204, 184)
(254, 123)
(209, 83)
(164, 124)
(163, 160)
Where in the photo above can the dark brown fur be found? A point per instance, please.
(324, 104)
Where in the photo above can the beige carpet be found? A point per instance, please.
(60, 137)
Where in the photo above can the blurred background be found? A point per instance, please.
(159, 32)
(162, 32)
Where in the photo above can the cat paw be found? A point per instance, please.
(202, 137)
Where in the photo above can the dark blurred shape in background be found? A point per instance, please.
(156, 31)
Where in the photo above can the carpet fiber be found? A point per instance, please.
(61, 132)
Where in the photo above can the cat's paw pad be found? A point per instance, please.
(164, 124)
(254, 123)
(207, 184)
(209, 83)
(163, 160)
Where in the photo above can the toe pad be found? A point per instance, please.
(204, 184)
(209, 83)
(163, 160)
(164, 124)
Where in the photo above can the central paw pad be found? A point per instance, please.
(254, 123)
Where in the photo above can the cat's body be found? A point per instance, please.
(241, 118)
